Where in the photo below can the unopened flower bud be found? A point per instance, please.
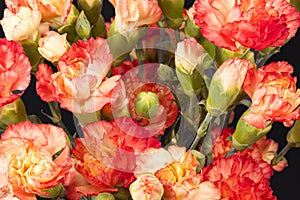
(91, 8)
(83, 26)
(146, 186)
(146, 104)
(104, 196)
(293, 136)
(72, 16)
(69, 25)
(246, 134)
(226, 85)
(173, 11)
(99, 29)
(188, 55)
(53, 45)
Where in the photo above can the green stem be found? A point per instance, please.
(56, 118)
(263, 57)
(201, 130)
(71, 138)
(281, 154)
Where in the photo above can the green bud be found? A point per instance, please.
(219, 100)
(91, 8)
(226, 87)
(121, 45)
(72, 16)
(246, 134)
(173, 11)
(146, 104)
(99, 29)
(69, 26)
(83, 26)
(293, 136)
(104, 196)
(12, 113)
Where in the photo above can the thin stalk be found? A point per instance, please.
(71, 138)
(57, 119)
(201, 130)
(281, 154)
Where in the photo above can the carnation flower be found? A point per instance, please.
(107, 156)
(54, 11)
(274, 95)
(14, 71)
(147, 186)
(20, 24)
(131, 14)
(189, 58)
(238, 178)
(27, 165)
(262, 151)
(80, 84)
(132, 85)
(53, 45)
(181, 181)
(256, 24)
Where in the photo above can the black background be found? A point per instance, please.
(285, 184)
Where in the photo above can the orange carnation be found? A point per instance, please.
(256, 24)
(26, 160)
(262, 151)
(238, 178)
(80, 84)
(106, 156)
(274, 95)
(181, 181)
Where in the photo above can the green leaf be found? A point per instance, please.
(31, 51)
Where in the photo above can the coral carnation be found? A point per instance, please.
(238, 178)
(255, 24)
(14, 71)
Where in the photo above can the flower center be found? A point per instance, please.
(27, 164)
(146, 104)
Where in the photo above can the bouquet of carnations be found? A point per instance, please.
(152, 92)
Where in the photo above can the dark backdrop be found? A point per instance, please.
(285, 184)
